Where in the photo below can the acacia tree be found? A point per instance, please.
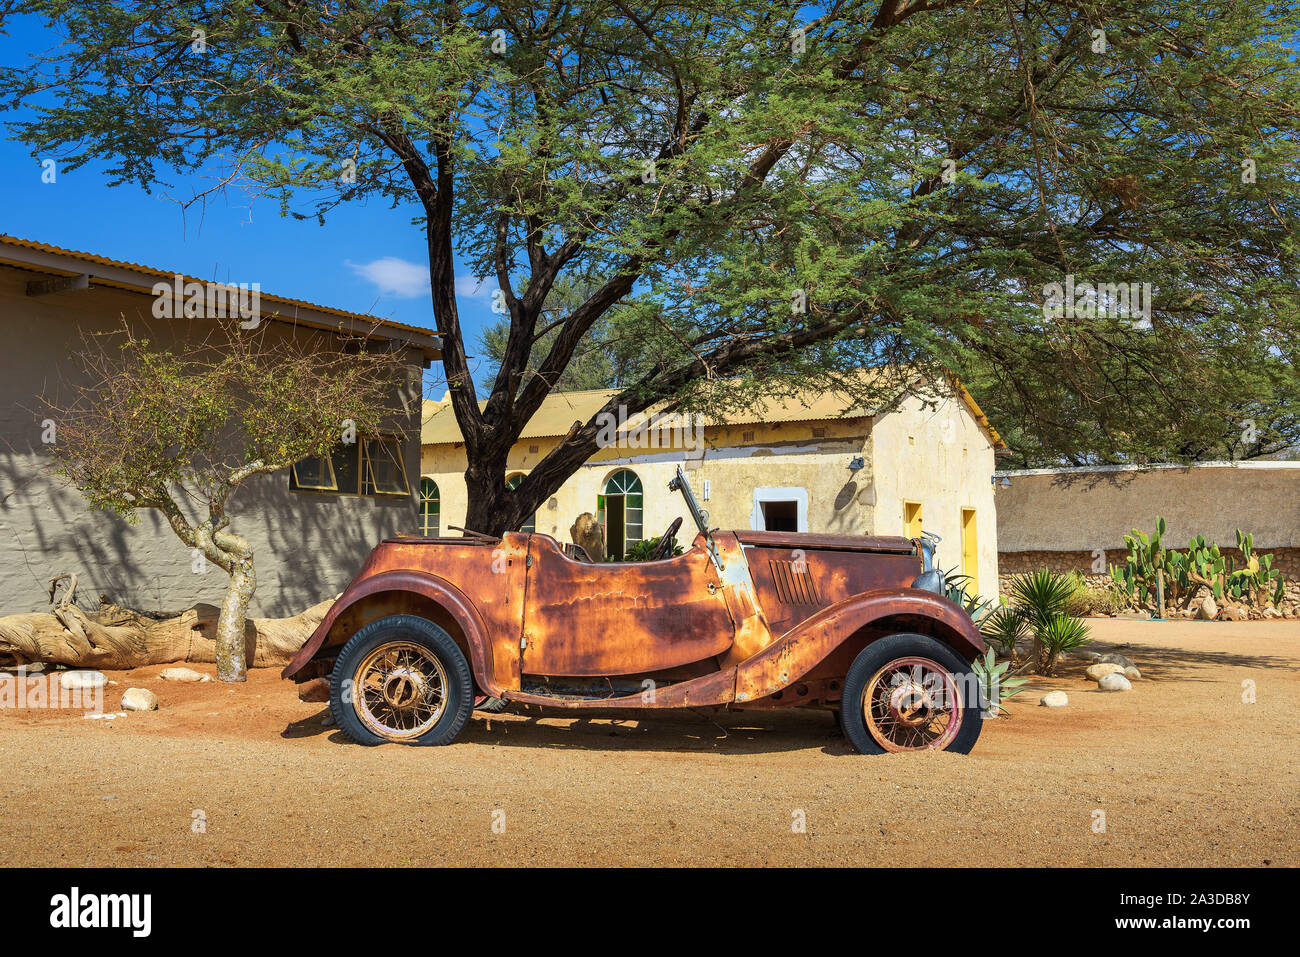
(181, 430)
(770, 194)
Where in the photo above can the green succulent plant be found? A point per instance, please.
(996, 685)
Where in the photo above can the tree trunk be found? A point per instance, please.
(232, 663)
(490, 508)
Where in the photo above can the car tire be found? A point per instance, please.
(898, 725)
(492, 705)
(427, 664)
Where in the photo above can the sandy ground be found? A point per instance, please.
(1185, 771)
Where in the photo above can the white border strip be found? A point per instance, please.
(1085, 469)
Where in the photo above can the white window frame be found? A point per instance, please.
(793, 493)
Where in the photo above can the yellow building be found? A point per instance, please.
(817, 463)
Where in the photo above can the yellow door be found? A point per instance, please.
(969, 550)
(912, 519)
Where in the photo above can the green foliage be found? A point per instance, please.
(611, 356)
(1005, 628)
(1062, 633)
(1202, 564)
(995, 684)
(1042, 598)
(643, 550)
(958, 590)
(1088, 599)
(896, 185)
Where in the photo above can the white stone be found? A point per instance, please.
(182, 674)
(83, 679)
(1054, 699)
(1103, 668)
(1114, 682)
(139, 699)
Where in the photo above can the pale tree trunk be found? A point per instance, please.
(232, 664)
(234, 555)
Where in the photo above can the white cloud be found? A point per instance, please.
(395, 277)
(471, 288)
(407, 280)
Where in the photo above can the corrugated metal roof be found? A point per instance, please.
(92, 258)
(560, 410)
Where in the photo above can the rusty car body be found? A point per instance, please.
(431, 627)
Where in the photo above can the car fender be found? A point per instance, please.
(436, 589)
(808, 643)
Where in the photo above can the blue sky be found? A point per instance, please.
(366, 258)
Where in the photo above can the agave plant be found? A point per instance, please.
(1042, 598)
(958, 590)
(1005, 628)
(1062, 634)
(995, 684)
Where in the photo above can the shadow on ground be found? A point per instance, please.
(695, 730)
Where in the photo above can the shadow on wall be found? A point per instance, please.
(306, 547)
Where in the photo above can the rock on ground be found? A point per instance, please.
(1054, 699)
(1111, 658)
(318, 689)
(1103, 668)
(139, 699)
(1207, 608)
(83, 679)
(183, 674)
(1114, 682)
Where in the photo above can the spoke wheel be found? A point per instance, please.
(911, 704)
(910, 692)
(400, 690)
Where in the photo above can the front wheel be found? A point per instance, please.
(910, 692)
(401, 678)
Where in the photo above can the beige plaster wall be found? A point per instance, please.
(937, 454)
(1091, 510)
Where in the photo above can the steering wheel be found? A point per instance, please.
(665, 545)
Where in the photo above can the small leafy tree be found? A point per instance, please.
(181, 429)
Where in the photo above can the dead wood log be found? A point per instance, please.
(120, 638)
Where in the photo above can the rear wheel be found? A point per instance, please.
(401, 678)
(910, 692)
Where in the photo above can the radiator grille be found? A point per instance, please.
(794, 583)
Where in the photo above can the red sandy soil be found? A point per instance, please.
(1185, 771)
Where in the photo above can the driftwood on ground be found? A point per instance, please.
(116, 637)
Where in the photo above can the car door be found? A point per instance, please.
(620, 618)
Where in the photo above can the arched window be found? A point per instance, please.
(512, 481)
(619, 510)
(430, 507)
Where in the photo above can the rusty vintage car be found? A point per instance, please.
(431, 628)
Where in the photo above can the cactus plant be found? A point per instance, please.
(1202, 564)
